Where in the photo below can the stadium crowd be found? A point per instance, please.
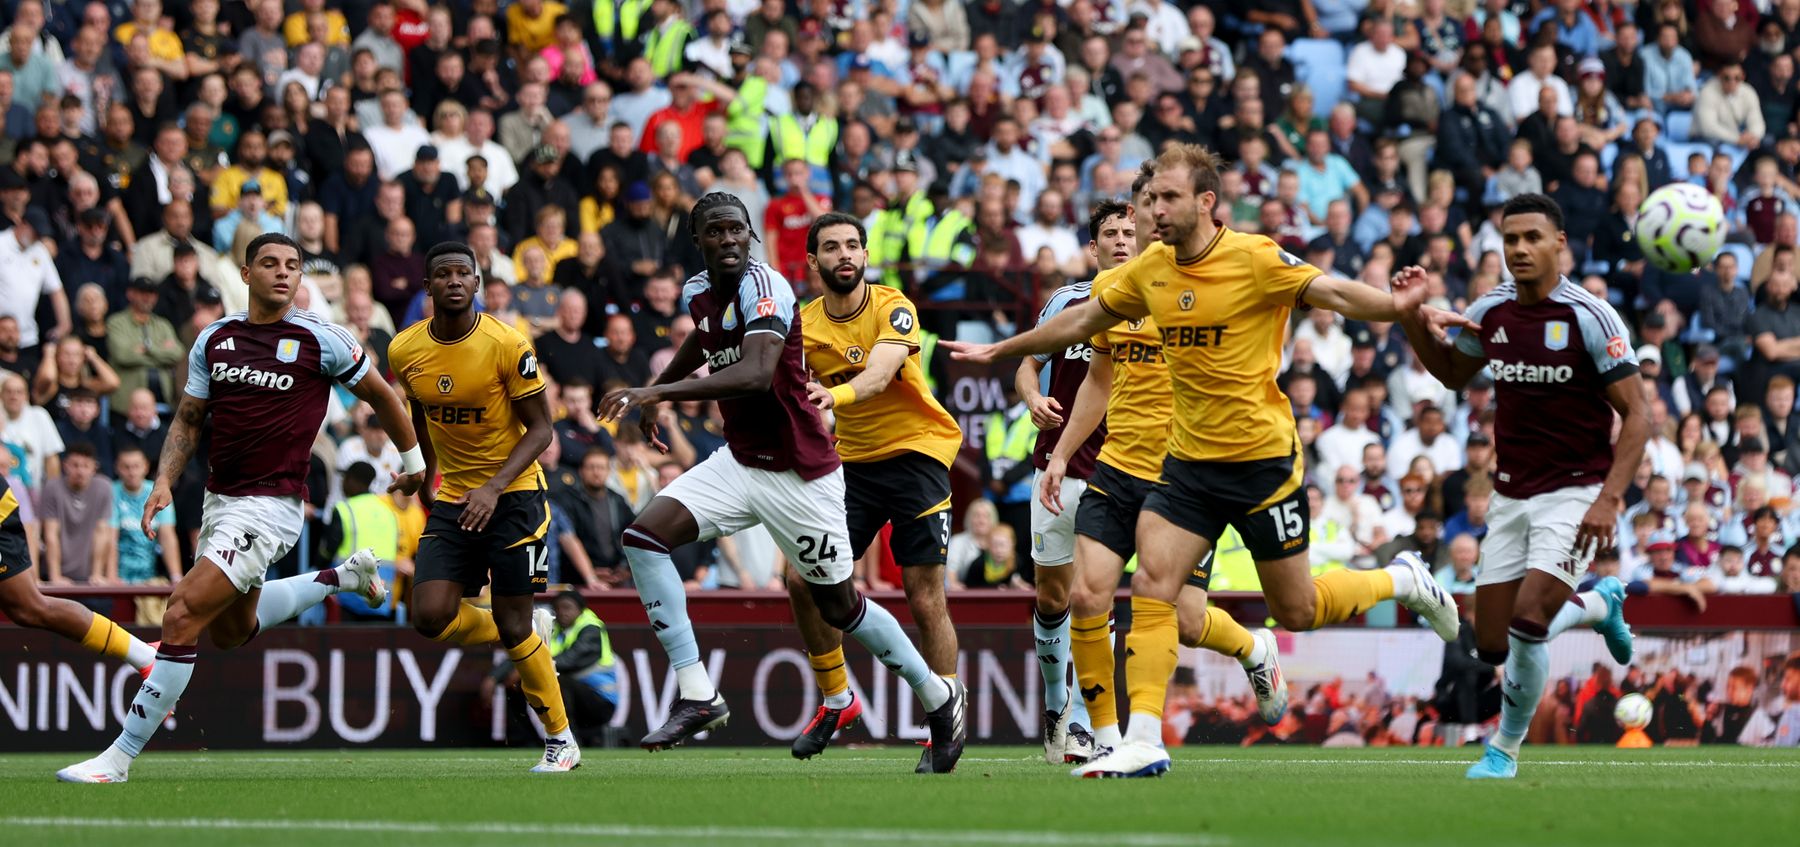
(145, 144)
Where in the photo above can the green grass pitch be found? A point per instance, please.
(1214, 797)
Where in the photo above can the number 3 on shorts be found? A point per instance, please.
(1286, 517)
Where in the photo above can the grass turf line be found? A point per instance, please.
(1215, 797)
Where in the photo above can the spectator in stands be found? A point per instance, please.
(1669, 72)
(81, 424)
(142, 345)
(1458, 577)
(1724, 32)
(1774, 332)
(1426, 539)
(624, 361)
(141, 429)
(598, 513)
(1727, 111)
(1728, 573)
(1472, 520)
(73, 365)
(1341, 444)
(139, 557)
(1373, 68)
(1402, 519)
(76, 510)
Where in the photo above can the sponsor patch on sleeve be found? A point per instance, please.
(765, 308)
(1616, 347)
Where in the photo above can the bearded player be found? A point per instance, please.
(897, 444)
(1221, 301)
(266, 375)
(778, 469)
(1128, 383)
(1563, 366)
(479, 406)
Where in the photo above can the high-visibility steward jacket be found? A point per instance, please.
(368, 522)
(619, 18)
(667, 45)
(815, 145)
(900, 236)
(946, 244)
(1007, 445)
(744, 128)
(560, 639)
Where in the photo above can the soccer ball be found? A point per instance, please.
(1680, 227)
(1633, 711)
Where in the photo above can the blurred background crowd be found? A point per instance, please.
(144, 144)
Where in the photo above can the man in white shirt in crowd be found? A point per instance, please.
(1729, 575)
(1540, 72)
(1374, 67)
(396, 139)
(1427, 438)
(371, 445)
(31, 275)
(1047, 229)
(1342, 443)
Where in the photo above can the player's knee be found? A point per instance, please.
(1294, 615)
(1052, 597)
(838, 608)
(1190, 630)
(642, 538)
(431, 623)
(512, 632)
(1086, 602)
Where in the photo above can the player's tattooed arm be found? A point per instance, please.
(178, 448)
(1070, 326)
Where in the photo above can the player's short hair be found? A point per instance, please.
(1146, 172)
(830, 219)
(1534, 204)
(715, 200)
(449, 248)
(1202, 164)
(258, 243)
(1103, 210)
(361, 473)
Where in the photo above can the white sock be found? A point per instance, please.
(840, 700)
(138, 654)
(1259, 653)
(565, 736)
(283, 599)
(1107, 736)
(1144, 729)
(1404, 584)
(932, 696)
(694, 683)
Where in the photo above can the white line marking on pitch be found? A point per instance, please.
(1528, 762)
(632, 831)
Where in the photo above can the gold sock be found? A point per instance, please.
(473, 627)
(1220, 633)
(828, 670)
(1150, 654)
(1090, 647)
(105, 637)
(537, 676)
(1344, 594)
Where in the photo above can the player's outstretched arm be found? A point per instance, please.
(1090, 408)
(1450, 366)
(1070, 326)
(398, 425)
(178, 448)
(1362, 302)
(752, 374)
(885, 362)
(1626, 396)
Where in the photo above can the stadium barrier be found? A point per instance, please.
(383, 686)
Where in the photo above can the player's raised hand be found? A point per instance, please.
(1045, 412)
(616, 403)
(160, 498)
(964, 351)
(407, 483)
(1439, 322)
(1409, 289)
(478, 506)
(1050, 483)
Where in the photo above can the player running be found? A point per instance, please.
(1066, 738)
(779, 470)
(25, 605)
(1562, 365)
(897, 444)
(265, 374)
(1221, 301)
(1128, 383)
(478, 405)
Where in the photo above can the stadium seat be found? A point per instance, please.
(1319, 62)
(1676, 125)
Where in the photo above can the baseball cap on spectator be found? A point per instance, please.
(281, 136)
(1037, 35)
(1649, 353)
(1752, 445)
(741, 47)
(427, 153)
(1695, 471)
(1591, 66)
(142, 283)
(1480, 439)
(477, 196)
(918, 39)
(903, 161)
(38, 221)
(251, 187)
(861, 63)
(95, 217)
(544, 154)
(1363, 338)
(905, 125)
(1706, 353)
(1481, 382)
(1191, 44)
(638, 192)
(811, 28)
(206, 295)
(1658, 542)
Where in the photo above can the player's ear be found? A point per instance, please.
(1093, 250)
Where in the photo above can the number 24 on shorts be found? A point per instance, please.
(816, 550)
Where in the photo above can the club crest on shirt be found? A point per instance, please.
(1556, 335)
(854, 355)
(1136, 325)
(729, 321)
(1186, 300)
(288, 350)
(445, 384)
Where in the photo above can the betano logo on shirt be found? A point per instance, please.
(222, 372)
